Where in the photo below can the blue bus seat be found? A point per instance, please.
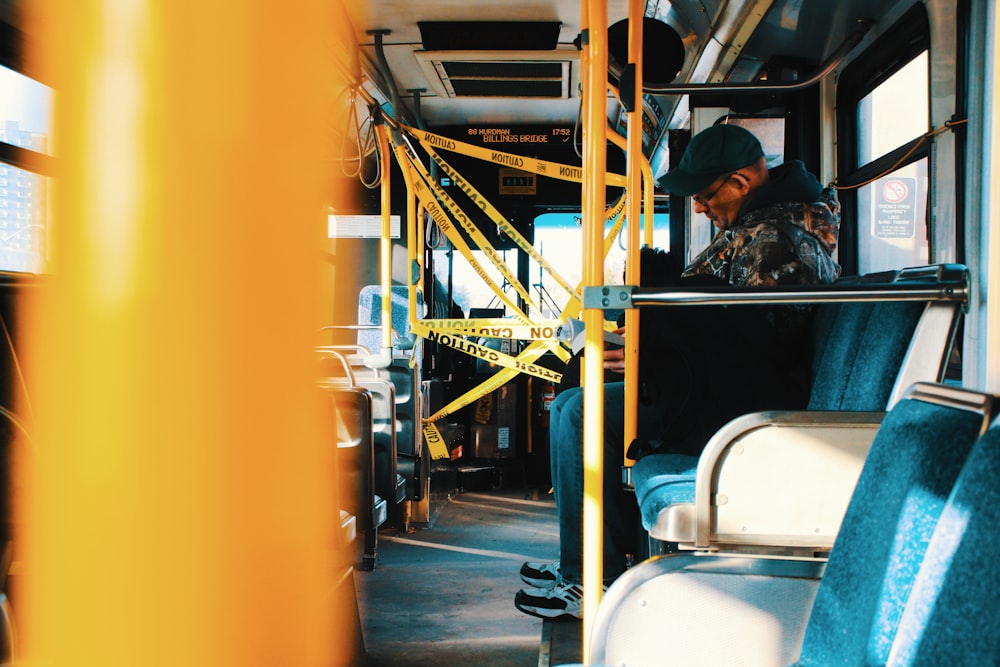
(901, 493)
(866, 354)
(370, 319)
(409, 410)
(346, 550)
(950, 618)
(404, 375)
(779, 480)
(355, 434)
(698, 608)
(346, 538)
(389, 484)
(356, 451)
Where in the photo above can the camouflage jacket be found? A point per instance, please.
(778, 239)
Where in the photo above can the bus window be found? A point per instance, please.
(23, 211)
(558, 238)
(469, 290)
(883, 155)
(768, 127)
(25, 123)
(894, 205)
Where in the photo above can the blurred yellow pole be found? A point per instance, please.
(595, 25)
(179, 510)
(636, 8)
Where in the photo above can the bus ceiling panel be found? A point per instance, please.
(809, 30)
(502, 77)
(781, 43)
(511, 73)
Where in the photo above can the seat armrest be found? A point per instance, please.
(675, 523)
(704, 609)
(926, 357)
(779, 479)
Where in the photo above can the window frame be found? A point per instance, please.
(13, 46)
(14, 51)
(897, 47)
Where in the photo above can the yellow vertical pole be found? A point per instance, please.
(636, 9)
(595, 25)
(179, 509)
(647, 199)
(385, 244)
(421, 234)
(414, 252)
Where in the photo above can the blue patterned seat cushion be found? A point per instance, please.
(661, 480)
(858, 352)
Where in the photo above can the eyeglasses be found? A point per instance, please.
(703, 200)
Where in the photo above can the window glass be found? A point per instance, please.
(896, 206)
(893, 226)
(559, 238)
(896, 112)
(26, 122)
(23, 215)
(25, 112)
(468, 288)
(769, 130)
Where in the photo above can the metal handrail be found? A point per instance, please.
(944, 282)
(327, 353)
(758, 87)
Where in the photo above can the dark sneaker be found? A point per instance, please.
(540, 575)
(560, 602)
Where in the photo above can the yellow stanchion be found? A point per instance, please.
(179, 509)
(595, 67)
(414, 255)
(385, 243)
(648, 203)
(635, 159)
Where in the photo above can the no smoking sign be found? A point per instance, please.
(895, 210)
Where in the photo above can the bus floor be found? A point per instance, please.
(444, 595)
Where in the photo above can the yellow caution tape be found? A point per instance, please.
(450, 333)
(440, 217)
(482, 352)
(477, 237)
(495, 327)
(435, 443)
(562, 172)
(501, 222)
(616, 228)
(491, 384)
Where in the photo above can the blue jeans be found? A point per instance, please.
(566, 460)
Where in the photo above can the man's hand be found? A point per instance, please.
(614, 357)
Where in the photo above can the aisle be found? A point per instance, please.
(444, 595)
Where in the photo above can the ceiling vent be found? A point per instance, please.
(533, 74)
(489, 35)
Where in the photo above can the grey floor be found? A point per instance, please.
(444, 595)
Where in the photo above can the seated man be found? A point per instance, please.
(699, 366)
